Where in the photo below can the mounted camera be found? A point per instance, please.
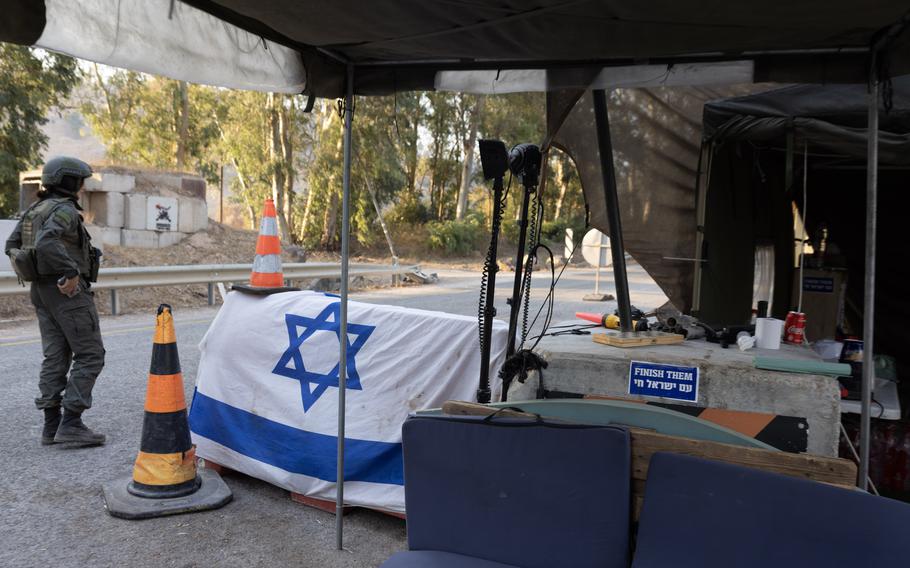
(524, 161)
(494, 158)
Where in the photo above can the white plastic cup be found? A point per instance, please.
(745, 341)
(768, 332)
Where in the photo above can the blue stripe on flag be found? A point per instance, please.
(291, 449)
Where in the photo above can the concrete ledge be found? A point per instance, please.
(728, 380)
(139, 239)
(168, 238)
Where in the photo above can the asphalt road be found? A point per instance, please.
(51, 511)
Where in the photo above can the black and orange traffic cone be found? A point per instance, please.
(267, 276)
(165, 480)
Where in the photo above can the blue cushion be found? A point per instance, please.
(433, 559)
(704, 513)
(527, 493)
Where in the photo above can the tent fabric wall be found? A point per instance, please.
(656, 141)
(833, 117)
(747, 204)
(404, 45)
(410, 40)
(154, 36)
(748, 137)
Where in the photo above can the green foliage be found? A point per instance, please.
(141, 120)
(408, 210)
(32, 83)
(456, 237)
(555, 231)
(410, 150)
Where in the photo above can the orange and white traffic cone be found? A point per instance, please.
(267, 264)
(267, 276)
(165, 480)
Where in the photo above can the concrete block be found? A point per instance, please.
(728, 380)
(93, 183)
(139, 239)
(168, 238)
(107, 209)
(103, 236)
(6, 227)
(119, 183)
(200, 216)
(185, 219)
(110, 236)
(134, 211)
(193, 186)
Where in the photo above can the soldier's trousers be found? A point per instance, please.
(69, 335)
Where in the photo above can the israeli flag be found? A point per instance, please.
(267, 386)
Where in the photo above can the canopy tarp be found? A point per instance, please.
(831, 117)
(410, 44)
(749, 202)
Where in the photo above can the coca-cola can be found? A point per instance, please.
(789, 320)
(795, 328)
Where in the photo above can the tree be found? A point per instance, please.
(154, 121)
(32, 83)
(467, 170)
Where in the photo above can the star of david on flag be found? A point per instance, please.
(292, 365)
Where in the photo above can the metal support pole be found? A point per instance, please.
(211, 293)
(343, 320)
(515, 302)
(115, 302)
(869, 288)
(605, 149)
(489, 310)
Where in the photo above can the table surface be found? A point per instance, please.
(699, 349)
(884, 393)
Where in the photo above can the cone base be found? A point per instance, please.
(263, 291)
(164, 491)
(213, 493)
(598, 298)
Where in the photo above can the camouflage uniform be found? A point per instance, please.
(69, 326)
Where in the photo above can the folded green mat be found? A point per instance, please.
(801, 366)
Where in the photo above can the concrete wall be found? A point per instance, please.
(728, 380)
(6, 227)
(116, 202)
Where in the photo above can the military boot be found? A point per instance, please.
(73, 430)
(51, 423)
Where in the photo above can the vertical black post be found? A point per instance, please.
(605, 148)
(865, 424)
(515, 306)
(489, 310)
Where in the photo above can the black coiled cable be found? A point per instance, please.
(490, 264)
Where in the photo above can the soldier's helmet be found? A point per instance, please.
(59, 167)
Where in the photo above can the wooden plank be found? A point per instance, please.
(640, 339)
(464, 408)
(835, 471)
(321, 504)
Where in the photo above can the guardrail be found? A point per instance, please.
(146, 276)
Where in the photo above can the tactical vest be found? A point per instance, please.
(77, 243)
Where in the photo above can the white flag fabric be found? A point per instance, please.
(266, 401)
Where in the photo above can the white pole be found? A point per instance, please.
(343, 324)
(869, 288)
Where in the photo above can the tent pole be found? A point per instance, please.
(605, 149)
(343, 319)
(869, 288)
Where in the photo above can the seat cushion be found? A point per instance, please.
(532, 494)
(435, 559)
(704, 513)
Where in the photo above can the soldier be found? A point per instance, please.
(51, 248)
